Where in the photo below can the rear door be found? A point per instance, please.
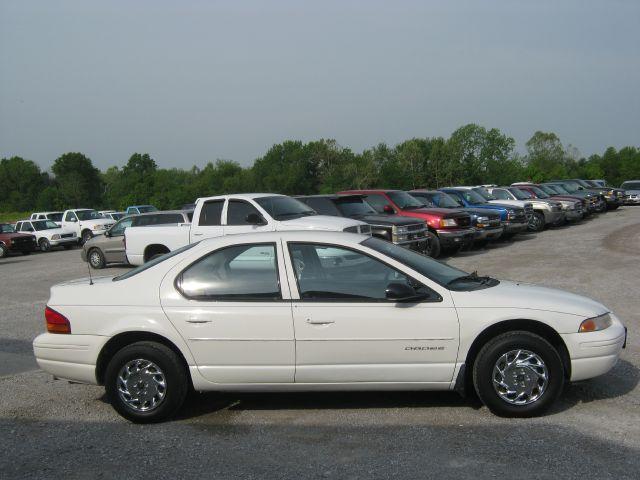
(233, 309)
(209, 221)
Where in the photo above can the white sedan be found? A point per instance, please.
(292, 311)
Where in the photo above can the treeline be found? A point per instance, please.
(471, 155)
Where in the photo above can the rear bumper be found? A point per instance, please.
(71, 357)
(456, 237)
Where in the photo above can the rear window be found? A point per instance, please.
(153, 263)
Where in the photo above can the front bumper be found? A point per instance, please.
(514, 227)
(632, 200)
(554, 218)
(63, 241)
(22, 246)
(456, 237)
(595, 353)
(573, 215)
(488, 233)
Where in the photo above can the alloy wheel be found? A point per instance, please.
(141, 385)
(520, 377)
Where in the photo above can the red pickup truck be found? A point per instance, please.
(447, 229)
(10, 241)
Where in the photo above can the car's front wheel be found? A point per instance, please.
(86, 236)
(536, 224)
(146, 382)
(96, 259)
(433, 245)
(44, 245)
(518, 374)
(3, 251)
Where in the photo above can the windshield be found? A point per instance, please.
(441, 273)
(520, 194)
(154, 262)
(56, 217)
(472, 196)
(443, 200)
(6, 228)
(351, 207)
(582, 183)
(423, 197)
(631, 185)
(147, 209)
(44, 225)
(88, 215)
(571, 187)
(404, 201)
(559, 189)
(540, 193)
(284, 208)
(484, 193)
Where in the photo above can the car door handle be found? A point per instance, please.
(197, 320)
(198, 234)
(319, 322)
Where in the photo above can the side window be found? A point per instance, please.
(377, 201)
(118, 228)
(26, 227)
(18, 226)
(210, 213)
(325, 272)
(70, 216)
(237, 212)
(240, 272)
(500, 194)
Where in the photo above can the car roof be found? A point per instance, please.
(332, 196)
(311, 236)
(241, 196)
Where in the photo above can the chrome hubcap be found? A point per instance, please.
(95, 259)
(141, 385)
(520, 377)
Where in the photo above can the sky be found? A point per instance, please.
(192, 81)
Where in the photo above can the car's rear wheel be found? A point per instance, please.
(433, 245)
(96, 259)
(146, 382)
(44, 245)
(518, 374)
(3, 251)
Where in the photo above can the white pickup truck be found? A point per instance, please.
(231, 214)
(85, 223)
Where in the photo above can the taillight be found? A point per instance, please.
(56, 322)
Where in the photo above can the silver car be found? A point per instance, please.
(110, 247)
(632, 192)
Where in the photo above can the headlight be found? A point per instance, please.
(399, 230)
(55, 236)
(99, 227)
(511, 214)
(482, 222)
(448, 222)
(596, 323)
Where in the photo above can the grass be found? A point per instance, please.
(12, 217)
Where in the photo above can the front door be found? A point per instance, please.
(347, 331)
(231, 311)
(113, 241)
(209, 222)
(238, 213)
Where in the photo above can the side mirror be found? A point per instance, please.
(255, 219)
(388, 209)
(74, 220)
(401, 292)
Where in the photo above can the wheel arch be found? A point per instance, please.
(121, 340)
(533, 326)
(154, 249)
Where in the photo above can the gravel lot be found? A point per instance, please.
(54, 429)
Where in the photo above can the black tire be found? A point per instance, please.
(433, 245)
(481, 243)
(44, 245)
(171, 367)
(536, 224)
(96, 258)
(86, 236)
(493, 350)
(3, 251)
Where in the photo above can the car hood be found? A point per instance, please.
(15, 235)
(52, 231)
(634, 191)
(531, 297)
(513, 203)
(388, 220)
(482, 212)
(318, 222)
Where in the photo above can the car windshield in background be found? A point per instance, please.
(284, 208)
(484, 193)
(571, 187)
(117, 216)
(631, 185)
(441, 273)
(147, 209)
(540, 193)
(88, 215)
(405, 201)
(559, 189)
(56, 217)
(353, 207)
(44, 225)
(153, 262)
(445, 200)
(520, 194)
(6, 228)
(472, 196)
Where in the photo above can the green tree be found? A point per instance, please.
(21, 181)
(79, 183)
